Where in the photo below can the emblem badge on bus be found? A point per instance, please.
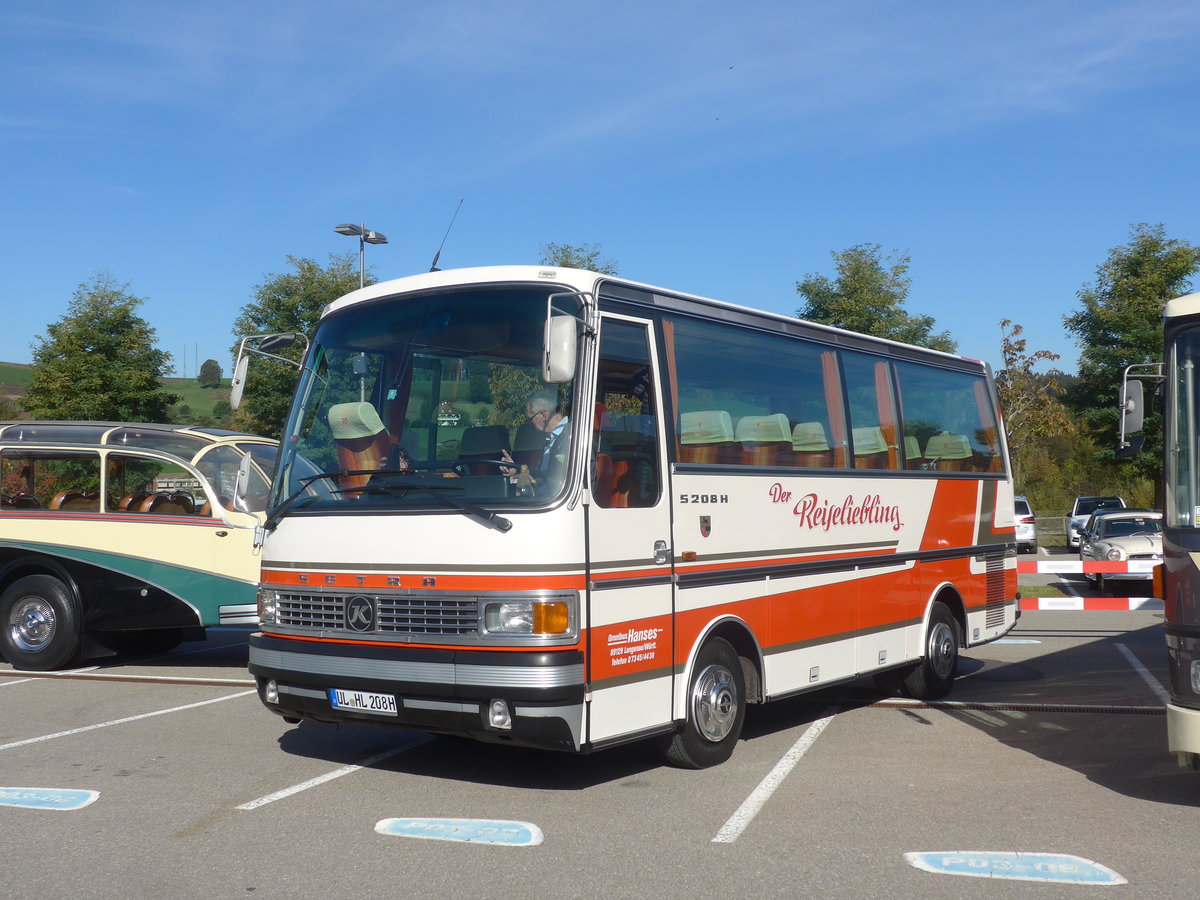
(705, 526)
(360, 614)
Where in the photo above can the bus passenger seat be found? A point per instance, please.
(483, 442)
(810, 446)
(766, 440)
(133, 502)
(706, 437)
(528, 445)
(951, 452)
(362, 441)
(65, 498)
(870, 449)
(165, 503)
(912, 453)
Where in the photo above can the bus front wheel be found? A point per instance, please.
(40, 626)
(716, 709)
(934, 674)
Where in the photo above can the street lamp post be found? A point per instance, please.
(365, 236)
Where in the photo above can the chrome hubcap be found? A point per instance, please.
(715, 703)
(941, 650)
(32, 624)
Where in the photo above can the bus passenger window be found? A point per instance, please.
(872, 412)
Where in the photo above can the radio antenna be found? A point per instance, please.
(433, 265)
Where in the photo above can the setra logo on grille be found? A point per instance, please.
(360, 614)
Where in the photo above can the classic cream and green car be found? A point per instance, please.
(125, 538)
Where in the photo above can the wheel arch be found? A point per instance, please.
(948, 595)
(41, 564)
(745, 644)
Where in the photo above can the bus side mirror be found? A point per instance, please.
(241, 487)
(265, 345)
(238, 384)
(1132, 406)
(558, 353)
(1132, 412)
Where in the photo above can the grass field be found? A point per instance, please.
(198, 401)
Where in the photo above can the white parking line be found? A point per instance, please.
(740, 820)
(150, 715)
(416, 741)
(1158, 689)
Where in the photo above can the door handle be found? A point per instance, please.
(661, 555)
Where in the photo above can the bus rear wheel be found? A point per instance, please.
(716, 709)
(40, 626)
(933, 676)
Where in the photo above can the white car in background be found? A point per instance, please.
(1026, 525)
(1123, 535)
(1083, 508)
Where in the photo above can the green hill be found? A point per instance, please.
(196, 403)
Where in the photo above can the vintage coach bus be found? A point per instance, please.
(125, 537)
(565, 510)
(1177, 580)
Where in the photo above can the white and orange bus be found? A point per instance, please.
(564, 510)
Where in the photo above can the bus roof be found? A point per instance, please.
(1187, 305)
(582, 280)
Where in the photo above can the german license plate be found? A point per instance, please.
(363, 701)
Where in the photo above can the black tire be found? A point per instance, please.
(39, 626)
(151, 642)
(933, 676)
(716, 709)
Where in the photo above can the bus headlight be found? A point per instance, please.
(549, 618)
(266, 607)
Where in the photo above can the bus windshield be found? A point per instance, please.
(430, 401)
(1183, 494)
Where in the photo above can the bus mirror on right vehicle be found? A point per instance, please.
(1132, 414)
(558, 358)
(1132, 406)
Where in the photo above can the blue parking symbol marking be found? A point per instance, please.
(46, 798)
(471, 831)
(1060, 868)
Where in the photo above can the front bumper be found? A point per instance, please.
(439, 691)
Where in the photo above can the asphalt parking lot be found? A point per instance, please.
(1053, 742)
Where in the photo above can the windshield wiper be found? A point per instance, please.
(276, 514)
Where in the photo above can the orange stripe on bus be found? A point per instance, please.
(425, 581)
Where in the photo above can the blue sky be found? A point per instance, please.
(722, 149)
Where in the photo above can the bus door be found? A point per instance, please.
(630, 588)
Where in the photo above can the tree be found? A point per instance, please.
(581, 256)
(291, 301)
(1120, 324)
(8, 410)
(99, 361)
(210, 374)
(868, 297)
(1031, 402)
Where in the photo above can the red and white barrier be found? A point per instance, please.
(1077, 567)
(1107, 604)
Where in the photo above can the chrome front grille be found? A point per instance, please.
(418, 614)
